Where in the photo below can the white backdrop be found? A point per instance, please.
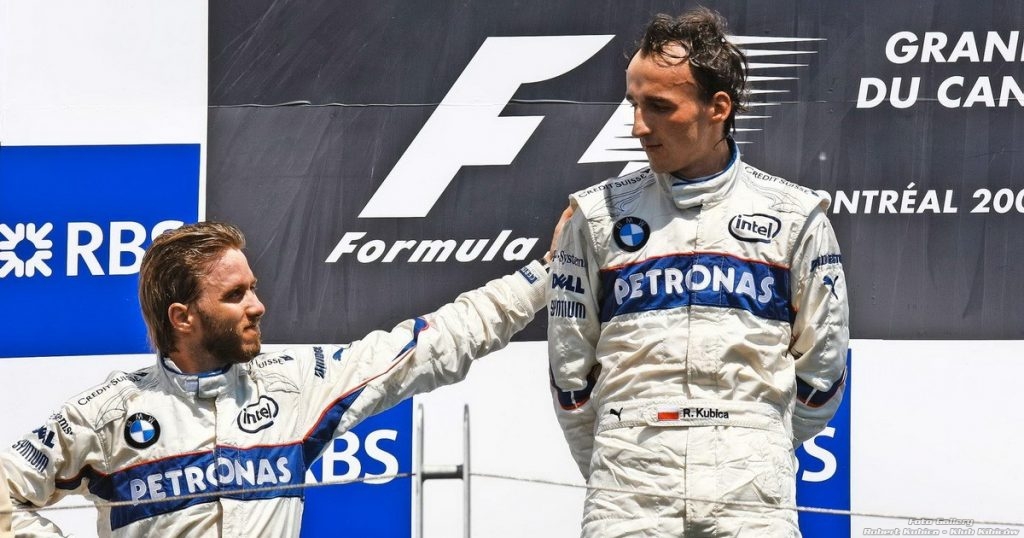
(935, 435)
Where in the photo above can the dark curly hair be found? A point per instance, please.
(717, 64)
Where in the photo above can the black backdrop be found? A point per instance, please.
(296, 176)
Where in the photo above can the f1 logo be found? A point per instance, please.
(466, 130)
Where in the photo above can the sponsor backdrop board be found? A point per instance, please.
(420, 150)
(371, 455)
(80, 251)
(397, 174)
(426, 160)
(102, 146)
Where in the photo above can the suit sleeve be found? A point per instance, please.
(5, 505)
(574, 327)
(437, 349)
(47, 464)
(821, 328)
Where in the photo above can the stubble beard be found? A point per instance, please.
(225, 344)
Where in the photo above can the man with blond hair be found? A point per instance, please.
(215, 438)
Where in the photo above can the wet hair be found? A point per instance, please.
(717, 64)
(172, 270)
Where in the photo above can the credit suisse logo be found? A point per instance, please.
(74, 224)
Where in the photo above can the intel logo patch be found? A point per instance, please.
(755, 228)
(258, 416)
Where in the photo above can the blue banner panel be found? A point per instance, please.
(379, 448)
(823, 479)
(74, 223)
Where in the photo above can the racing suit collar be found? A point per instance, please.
(203, 385)
(687, 193)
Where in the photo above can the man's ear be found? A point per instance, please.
(181, 318)
(721, 107)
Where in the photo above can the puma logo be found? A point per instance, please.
(828, 281)
(617, 413)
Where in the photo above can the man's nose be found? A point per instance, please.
(639, 127)
(255, 307)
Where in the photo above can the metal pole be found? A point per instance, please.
(465, 470)
(417, 469)
(422, 473)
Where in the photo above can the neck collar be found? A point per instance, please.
(687, 193)
(734, 155)
(202, 385)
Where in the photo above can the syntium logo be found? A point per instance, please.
(27, 248)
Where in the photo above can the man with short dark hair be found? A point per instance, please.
(701, 325)
(215, 438)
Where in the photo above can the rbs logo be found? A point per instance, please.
(34, 238)
(26, 249)
(74, 224)
(373, 454)
(825, 460)
(342, 461)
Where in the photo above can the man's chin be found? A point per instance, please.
(250, 352)
(657, 167)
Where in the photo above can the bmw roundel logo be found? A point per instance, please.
(141, 430)
(631, 234)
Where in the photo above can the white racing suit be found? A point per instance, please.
(697, 332)
(158, 434)
(5, 507)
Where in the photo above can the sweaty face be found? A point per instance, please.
(229, 312)
(681, 133)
